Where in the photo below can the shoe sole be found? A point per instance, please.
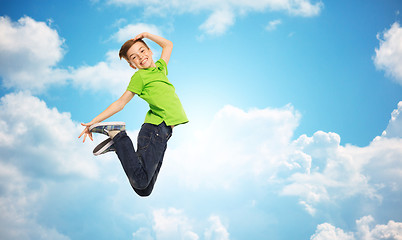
(105, 124)
(103, 147)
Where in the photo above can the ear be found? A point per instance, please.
(131, 65)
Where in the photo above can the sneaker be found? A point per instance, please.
(104, 147)
(105, 127)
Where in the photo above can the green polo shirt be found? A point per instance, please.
(152, 85)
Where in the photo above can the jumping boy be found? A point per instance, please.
(151, 84)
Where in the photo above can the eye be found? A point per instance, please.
(142, 51)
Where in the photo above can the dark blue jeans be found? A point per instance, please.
(142, 166)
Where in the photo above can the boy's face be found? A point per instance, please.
(140, 56)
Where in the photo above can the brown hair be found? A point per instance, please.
(127, 45)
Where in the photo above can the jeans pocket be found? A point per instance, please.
(163, 136)
(159, 138)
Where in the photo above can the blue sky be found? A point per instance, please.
(295, 120)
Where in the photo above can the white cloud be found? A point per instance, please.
(326, 231)
(336, 172)
(391, 231)
(381, 163)
(394, 128)
(341, 172)
(225, 12)
(131, 30)
(218, 22)
(304, 8)
(142, 234)
(273, 24)
(38, 146)
(236, 145)
(30, 51)
(172, 224)
(217, 231)
(389, 55)
(111, 75)
(17, 201)
(257, 147)
(32, 132)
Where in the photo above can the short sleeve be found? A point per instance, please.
(161, 64)
(136, 84)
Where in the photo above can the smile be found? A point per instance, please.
(144, 61)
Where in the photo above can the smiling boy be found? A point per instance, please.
(151, 84)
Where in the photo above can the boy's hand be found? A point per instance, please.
(86, 131)
(141, 36)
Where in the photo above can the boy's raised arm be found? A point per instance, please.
(167, 46)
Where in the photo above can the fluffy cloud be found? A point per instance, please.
(391, 231)
(341, 172)
(223, 13)
(17, 205)
(218, 23)
(100, 77)
(172, 224)
(38, 146)
(129, 31)
(326, 231)
(217, 231)
(394, 128)
(142, 234)
(257, 147)
(389, 55)
(30, 51)
(336, 172)
(32, 132)
(237, 145)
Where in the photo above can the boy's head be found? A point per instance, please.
(137, 54)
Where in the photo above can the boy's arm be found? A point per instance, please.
(167, 46)
(115, 107)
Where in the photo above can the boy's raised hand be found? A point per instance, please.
(86, 131)
(141, 36)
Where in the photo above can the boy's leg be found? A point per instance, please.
(152, 148)
(147, 191)
(142, 167)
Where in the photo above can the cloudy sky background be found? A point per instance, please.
(295, 115)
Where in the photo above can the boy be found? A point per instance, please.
(151, 84)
